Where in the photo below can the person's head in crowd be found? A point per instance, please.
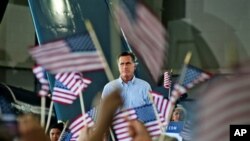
(178, 113)
(26, 122)
(55, 131)
(126, 65)
(29, 128)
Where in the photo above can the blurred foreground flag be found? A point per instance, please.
(73, 54)
(226, 99)
(146, 34)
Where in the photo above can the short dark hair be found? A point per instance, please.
(127, 53)
(57, 126)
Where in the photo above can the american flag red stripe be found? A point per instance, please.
(76, 53)
(40, 75)
(146, 35)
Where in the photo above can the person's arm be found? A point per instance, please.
(108, 107)
(138, 131)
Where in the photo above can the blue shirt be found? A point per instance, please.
(134, 93)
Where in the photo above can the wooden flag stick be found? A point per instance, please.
(186, 62)
(99, 49)
(156, 113)
(188, 57)
(64, 128)
(82, 104)
(175, 97)
(43, 103)
(49, 116)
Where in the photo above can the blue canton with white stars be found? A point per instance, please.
(59, 84)
(80, 43)
(145, 113)
(191, 74)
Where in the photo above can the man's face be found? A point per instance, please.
(54, 134)
(126, 67)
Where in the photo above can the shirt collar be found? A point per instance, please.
(131, 81)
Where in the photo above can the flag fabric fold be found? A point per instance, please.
(68, 86)
(145, 34)
(73, 81)
(61, 94)
(76, 53)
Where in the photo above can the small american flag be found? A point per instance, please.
(41, 76)
(73, 54)
(193, 76)
(146, 34)
(66, 136)
(80, 122)
(62, 94)
(225, 102)
(144, 114)
(167, 80)
(73, 81)
(161, 104)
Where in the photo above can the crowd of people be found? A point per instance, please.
(121, 93)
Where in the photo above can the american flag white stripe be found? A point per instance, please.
(146, 35)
